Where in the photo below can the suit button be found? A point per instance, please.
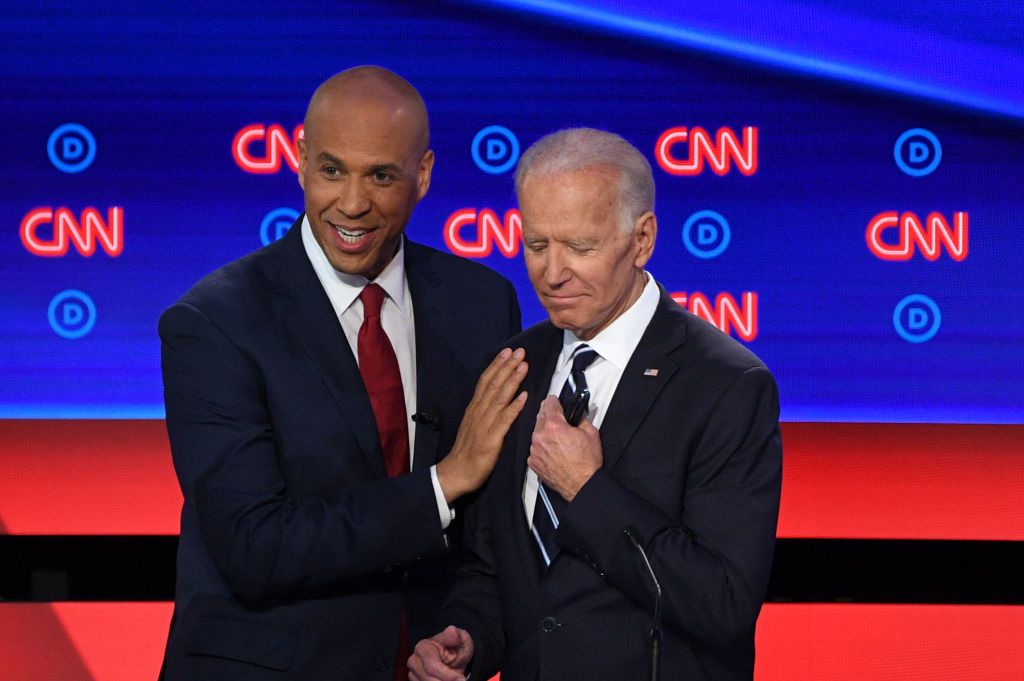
(379, 663)
(548, 624)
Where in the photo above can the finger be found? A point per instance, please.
(506, 380)
(465, 651)
(552, 407)
(536, 463)
(416, 661)
(492, 368)
(431, 668)
(510, 413)
(436, 670)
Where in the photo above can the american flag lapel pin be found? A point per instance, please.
(650, 372)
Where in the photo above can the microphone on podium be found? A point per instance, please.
(655, 637)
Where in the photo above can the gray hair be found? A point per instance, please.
(574, 149)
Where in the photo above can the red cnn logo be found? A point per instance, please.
(726, 313)
(727, 148)
(276, 145)
(912, 231)
(489, 231)
(83, 232)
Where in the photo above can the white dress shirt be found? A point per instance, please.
(614, 346)
(397, 319)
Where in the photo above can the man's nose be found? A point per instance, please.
(353, 201)
(556, 267)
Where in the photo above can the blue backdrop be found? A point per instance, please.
(160, 95)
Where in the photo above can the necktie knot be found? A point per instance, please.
(372, 297)
(584, 357)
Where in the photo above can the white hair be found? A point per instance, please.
(574, 149)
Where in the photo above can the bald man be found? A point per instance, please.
(316, 395)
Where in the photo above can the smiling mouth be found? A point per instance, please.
(350, 236)
(562, 298)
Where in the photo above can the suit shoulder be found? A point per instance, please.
(715, 348)
(232, 290)
(540, 335)
(457, 268)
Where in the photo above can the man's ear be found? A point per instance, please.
(645, 233)
(423, 173)
(302, 163)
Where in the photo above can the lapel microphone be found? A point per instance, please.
(430, 417)
(655, 637)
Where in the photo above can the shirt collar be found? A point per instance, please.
(343, 288)
(617, 341)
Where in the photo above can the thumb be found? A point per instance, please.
(450, 637)
(588, 428)
(551, 407)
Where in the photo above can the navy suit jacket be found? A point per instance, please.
(692, 463)
(297, 553)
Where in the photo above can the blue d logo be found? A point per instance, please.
(72, 314)
(916, 318)
(495, 149)
(712, 234)
(917, 152)
(71, 148)
(276, 223)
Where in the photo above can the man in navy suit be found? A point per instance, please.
(316, 395)
(676, 462)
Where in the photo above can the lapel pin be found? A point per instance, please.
(650, 372)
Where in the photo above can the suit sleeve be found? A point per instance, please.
(265, 541)
(714, 561)
(515, 322)
(474, 603)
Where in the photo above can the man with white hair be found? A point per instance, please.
(672, 476)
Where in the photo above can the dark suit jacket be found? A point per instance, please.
(297, 553)
(692, 463)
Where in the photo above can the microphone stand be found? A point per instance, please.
(654, 641)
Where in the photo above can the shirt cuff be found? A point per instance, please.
(446, 514)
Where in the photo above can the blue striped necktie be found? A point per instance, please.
(550, 504)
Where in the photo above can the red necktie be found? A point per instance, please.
(379, 368)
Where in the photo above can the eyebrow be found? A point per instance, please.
(392, 168)
(324, 156)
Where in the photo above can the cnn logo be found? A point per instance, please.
(48, 232)
(719, 153)
(930, 236)
(261, 150)
(474, 234)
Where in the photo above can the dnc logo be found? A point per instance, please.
(72, 314)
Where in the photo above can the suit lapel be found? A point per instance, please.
(541, 356)
(648, 371)
(307, 312)
(433, 320)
